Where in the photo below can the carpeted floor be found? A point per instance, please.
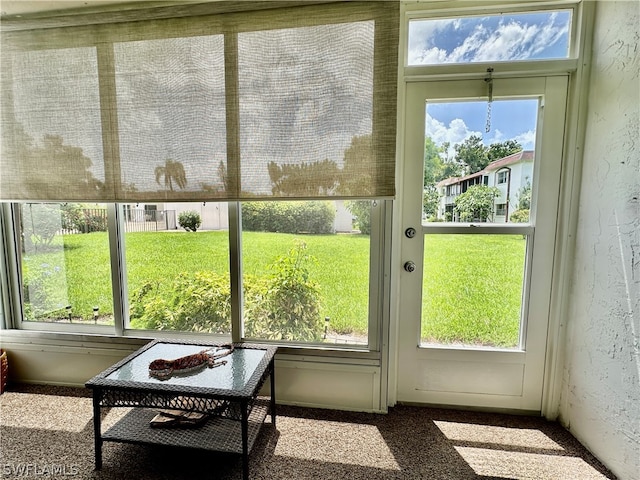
(47, 432)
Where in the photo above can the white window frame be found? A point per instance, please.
(378, 263)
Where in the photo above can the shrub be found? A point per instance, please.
(83, 220)
(519, 216)
(189, 220)
(287, 305)
(361, 209)
(198, 302)
(282, 306)
(288, 217)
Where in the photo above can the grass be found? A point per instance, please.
(471, 289)
(82, 277)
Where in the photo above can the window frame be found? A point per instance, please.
(46, 36)
(379, 263)
(502, 176)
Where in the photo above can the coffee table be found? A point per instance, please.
(228, 394)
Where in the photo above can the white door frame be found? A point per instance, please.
(517, 374)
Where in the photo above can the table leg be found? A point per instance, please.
(245, 440)
(273, 392)
(97, 434)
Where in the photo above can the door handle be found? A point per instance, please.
(409, 266)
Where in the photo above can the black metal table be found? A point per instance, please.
(228, 394)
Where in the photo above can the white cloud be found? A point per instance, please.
(422, 50)
(456, 132)
(514, 39)
(527, 139)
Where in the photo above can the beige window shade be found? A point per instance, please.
(296, 102)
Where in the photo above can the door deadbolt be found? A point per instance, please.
(409, 266)
(410, 232)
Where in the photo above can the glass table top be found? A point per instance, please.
(240, 366)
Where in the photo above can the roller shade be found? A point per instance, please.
(294, 102)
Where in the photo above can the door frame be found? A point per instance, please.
(553, 90)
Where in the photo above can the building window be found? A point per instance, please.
(502, 177)
(501, 209)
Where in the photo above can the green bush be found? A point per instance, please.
(282, 306)
(519, 216)
(287, 305)
(84, 220)
(190, 220)
(198, 302)
(288, 217)
(361, 209)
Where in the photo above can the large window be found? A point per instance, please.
(183, 129)
(177, 272)
(306, 266)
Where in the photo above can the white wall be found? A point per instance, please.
(601, 386)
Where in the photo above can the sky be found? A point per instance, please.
(510, 120)
(529, 36)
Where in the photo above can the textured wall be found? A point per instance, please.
(601, 391)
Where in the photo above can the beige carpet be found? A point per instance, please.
(47, 432)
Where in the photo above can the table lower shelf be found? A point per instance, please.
(218, 434)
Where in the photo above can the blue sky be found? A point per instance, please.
(510, 120)
(528, 36)
(490, 38)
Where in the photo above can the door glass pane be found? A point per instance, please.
(306, 271)
(66, 268)
(514, 36)
(471, 175)
(177, 264)
(472, 290)
(473, 284)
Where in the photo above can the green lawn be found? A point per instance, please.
(471, 290)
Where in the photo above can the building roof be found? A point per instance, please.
(521, 156)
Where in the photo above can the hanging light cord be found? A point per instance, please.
(489, 81)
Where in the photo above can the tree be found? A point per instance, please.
(172, 171)
(433, 164)
(303, 179)
(472, 153)
(476, 204)
(361, 209)
(497, 151)
(524, 196)
(354, 178)
(521, 215)
(40, 222)
(476, 156)
(430, 201)
(53, 164)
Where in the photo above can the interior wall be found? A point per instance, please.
(601, 384)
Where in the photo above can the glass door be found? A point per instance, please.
(480, 190)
